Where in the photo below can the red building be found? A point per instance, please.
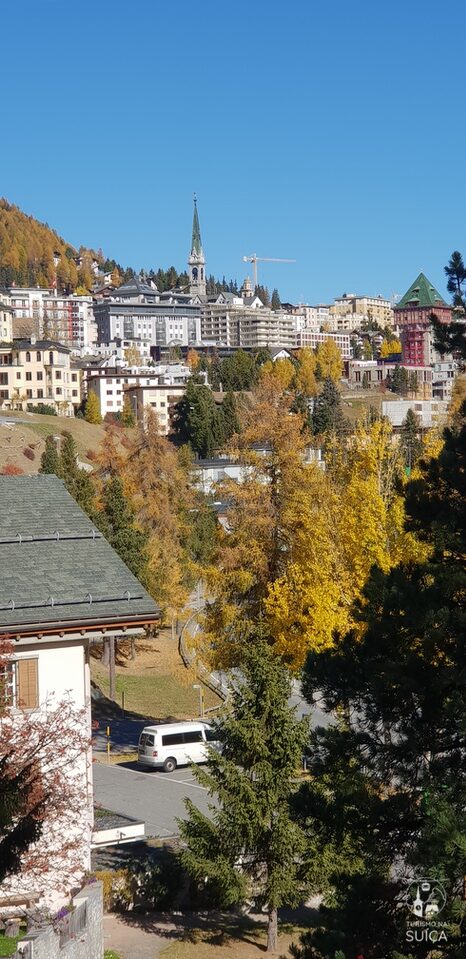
(413, 315)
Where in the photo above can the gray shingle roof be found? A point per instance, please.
(57, 569)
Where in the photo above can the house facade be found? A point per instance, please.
(63, 588)
(38, 371)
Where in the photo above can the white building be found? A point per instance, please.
(158, 397)
(430, 412)
(313, 339)
(62, 588)
(6, 315)
(67, 319)
(109, 384)
(137, 311)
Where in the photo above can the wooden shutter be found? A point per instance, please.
(28, 687)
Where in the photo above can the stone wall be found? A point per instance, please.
(86, 934)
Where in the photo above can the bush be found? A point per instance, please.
(44, 408)
(11, 470)
(29, 453)
(117, 889)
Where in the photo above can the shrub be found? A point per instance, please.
(91, 455)
(117, 889)
(44, 408)
(11, 470)
(29, 453)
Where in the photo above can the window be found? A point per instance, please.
(210, 734)
(29, 394)
(38, 356)
(58, 374)
(40, 376)
(193, 737)
(173, 739)
(28, 357)
(75, 392)
(4, 395)
(146, 740)
(28, 377)
(109, 392)
(58, 390)
(51, 358)
(74, 377)
(4, 379)
(18, 376)
(26, 683)
(40, 394)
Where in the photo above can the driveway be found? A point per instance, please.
(157, 798)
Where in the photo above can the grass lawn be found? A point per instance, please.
(8, 944)
(238, 941)
(156, 684)
(110, 954)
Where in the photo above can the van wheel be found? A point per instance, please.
(169, 765)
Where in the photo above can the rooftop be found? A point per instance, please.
(58, 571)
(420, 295)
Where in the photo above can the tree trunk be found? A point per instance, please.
(272, 931)
(111, 668)
(105, 658)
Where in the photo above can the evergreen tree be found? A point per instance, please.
(197, 420)
(127, 414)
(77, 481)
(456, 273)
(263, 294)
(327, 415)
(411, 443)
(92, 408)
(117, 522)
(249, 846)
(276, 302)
(388, 781)
(50, 461)
(398, 380)
(238, 372)
(230, 422)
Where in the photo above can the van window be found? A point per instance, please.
(146, 740)
(210, 735)
(173, 739)
(193, 737)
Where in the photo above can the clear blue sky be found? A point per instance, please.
(329, 132)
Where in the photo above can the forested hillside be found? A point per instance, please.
(29, 249)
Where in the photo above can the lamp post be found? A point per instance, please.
(201, 699)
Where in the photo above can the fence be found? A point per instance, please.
(190, 660)
(73, 925)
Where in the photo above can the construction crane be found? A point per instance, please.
(262, 259)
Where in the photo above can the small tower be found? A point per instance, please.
(196, 259)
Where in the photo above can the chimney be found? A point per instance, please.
(33, 340)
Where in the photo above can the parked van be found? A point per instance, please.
(174, 744)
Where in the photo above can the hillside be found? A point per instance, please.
(27, 431)
(28, 250)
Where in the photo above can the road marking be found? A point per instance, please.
(151, 775)
(182, 782)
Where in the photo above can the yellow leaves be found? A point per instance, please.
(305, 378)
(389, 347)
(280, 374)
(329, 361)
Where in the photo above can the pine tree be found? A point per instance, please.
(388, 781)
(276, 302)
(92, 408)
(327, 415)
(77, 481)
(197, 420)
(50, 461)
(410, 440)
(249, 846)
(118, 525)
(230, 422)
(127, 414)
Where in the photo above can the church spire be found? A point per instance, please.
(196, 259)
(196, 245)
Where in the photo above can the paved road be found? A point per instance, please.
(154, 797)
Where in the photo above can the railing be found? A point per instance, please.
(73, 925)
(190, 660)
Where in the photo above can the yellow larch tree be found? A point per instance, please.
(329, 361)
(305, 377)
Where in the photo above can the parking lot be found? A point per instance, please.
(154, 797)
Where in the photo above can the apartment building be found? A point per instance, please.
(38, 371)
(231, 320)
(367, 374)
(429, 412)
(6, 319)
(137, 311)
(313, 339)
(66, 319)
(371, 307)
(158, 397)
(110, 385)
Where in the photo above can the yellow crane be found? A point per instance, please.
(254, 259)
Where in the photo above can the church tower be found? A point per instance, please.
(196, 260)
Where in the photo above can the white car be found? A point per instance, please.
(174, 744)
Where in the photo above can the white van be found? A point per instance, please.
(174, 744)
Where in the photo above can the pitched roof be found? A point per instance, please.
(57, 570)
(421, 294)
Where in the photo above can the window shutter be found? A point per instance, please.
(28, 687)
